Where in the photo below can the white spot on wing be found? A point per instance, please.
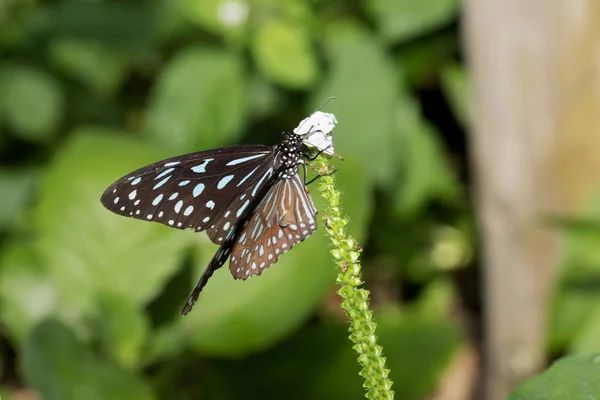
(224, 181)
(157, 199)
(247, 176)
(210, 204)
(132, 194)
(165, 172)
(242, 208)
(136, 181)
(159, 184)
(188, 210)
(241, 160)
(198, 189)
(260, 182)
(178, 206)
(202, 167)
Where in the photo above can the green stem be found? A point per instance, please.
(346, 252)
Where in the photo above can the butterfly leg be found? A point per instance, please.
(333, 171)
(216, 263)
(318, 154)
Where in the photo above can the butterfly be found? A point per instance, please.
(250, 200)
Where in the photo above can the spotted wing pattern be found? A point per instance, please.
(249, 199)
(207, 190)
(285, 216)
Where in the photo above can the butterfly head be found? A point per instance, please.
(293, 140)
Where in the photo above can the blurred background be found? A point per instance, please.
(472, 191)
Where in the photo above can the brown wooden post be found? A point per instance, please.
(535, 144)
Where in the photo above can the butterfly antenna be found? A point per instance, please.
(323, 104)
(318, 108)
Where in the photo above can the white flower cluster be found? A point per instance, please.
(317, 129)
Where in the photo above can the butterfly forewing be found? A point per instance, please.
(284, 217)
(241, 204)
(204, 191)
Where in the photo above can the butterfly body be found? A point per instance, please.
(250, 199)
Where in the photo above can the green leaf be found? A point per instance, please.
(283, 53)
(455, 82)
(588, 339)
(401, 20)
(89, 250)
(59, 367)
(237, 317)
(27, 294)
(570, 378)
(97, 66)
(577, 298)
(436, 299)
(425, 173)
(421, 59)
(123, 330)
(199, 101)
(15, 187)
(122, 25)
(32, 102)
(573, 311)
(364, 106)
(324, 365)
(264, 98)
(218, 16)
(418, 348)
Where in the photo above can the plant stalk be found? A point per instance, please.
(346, 253)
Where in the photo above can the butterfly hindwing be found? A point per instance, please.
(285, 216)
(203, 190)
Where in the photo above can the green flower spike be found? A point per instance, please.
(346, 253)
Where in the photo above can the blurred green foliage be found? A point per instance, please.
(571, 378)
(90, 91)
(575, 324)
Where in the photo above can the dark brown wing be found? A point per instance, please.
(284, 217)
(207, 190)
